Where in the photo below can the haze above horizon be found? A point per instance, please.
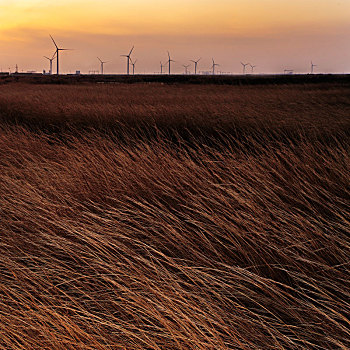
(272, 34)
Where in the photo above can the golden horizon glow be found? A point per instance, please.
(25, 21)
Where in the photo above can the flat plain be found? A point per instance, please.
(182, 216)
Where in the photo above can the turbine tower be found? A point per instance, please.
(57, 54)
(161, 67)
(169, 62)
(244, 66)
(214, 65)
(51, 60)
(186, 68)
(252, 67)
(195, 65)
(312, 67)
(128, 59)
(133, 66)
(102, 63)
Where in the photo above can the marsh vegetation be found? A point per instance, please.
(174, 217)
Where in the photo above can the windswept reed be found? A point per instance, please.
(153, 240)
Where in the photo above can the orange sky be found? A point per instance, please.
(272, 34)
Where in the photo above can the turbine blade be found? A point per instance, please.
(47, 57)
(53, 41)
(132, 49)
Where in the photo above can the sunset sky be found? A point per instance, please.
(272, 34)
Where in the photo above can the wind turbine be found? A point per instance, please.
(133, 66)
(244, 65)
(169, 62)
(214, 65)
(186, 68)
(252, 67)
(312, 67)
(128, 60)
(102, 63)
(57, 54)
(51, 59)
(195, 65)
(161, 67)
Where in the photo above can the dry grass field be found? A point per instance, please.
(174, 217)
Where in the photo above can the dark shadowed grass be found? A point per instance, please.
(137, 242)
(323, 108)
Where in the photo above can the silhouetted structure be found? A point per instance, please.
(244, 66)
(312, 67)
(102, 63)
(214, 65)
(169, 62)
(186, 68)
(51, 60)
(128, 58)
(57, 54)
(133, 66)
(161, 67)
(195, 65)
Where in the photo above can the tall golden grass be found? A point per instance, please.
(155, 241)
(319, 108)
